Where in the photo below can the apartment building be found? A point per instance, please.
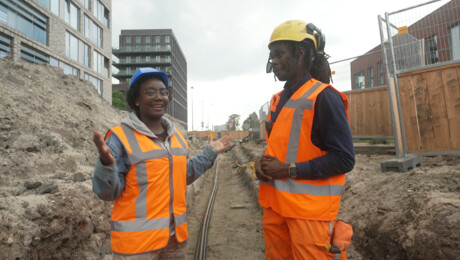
(431, 41)
(159, 49)
(74, 35)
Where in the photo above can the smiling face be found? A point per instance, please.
(153, 99)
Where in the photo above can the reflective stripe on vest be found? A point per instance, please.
(290, 142)
(155, 189)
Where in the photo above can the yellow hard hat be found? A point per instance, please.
(296, 30)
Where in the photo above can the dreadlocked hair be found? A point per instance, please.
(316, 62)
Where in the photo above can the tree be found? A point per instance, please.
(252, 122)
(118, 100)
(233, 122)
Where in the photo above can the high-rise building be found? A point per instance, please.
(74, 35)
(159, 49)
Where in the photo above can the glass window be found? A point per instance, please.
(100, 64)
(157, 58)
(87, 28)
(167, 39)
(5, 46)
(380, 72)
(55, 6)
(147, 58)
(33, 55)
(147, 39)
(54, 62)
(85, 55)
(431, 51)
(138, 59)
(97, 83)
(101, 13)
(88, 4)
(359, 80)
(45, 3)
(157, 39)
(26, 20)
(71, 14)
(71, 46)
(70, 70)
(455, 42)
(128, 59)
(96, 34)
(138, 39)
(128, 40)
(370, 73)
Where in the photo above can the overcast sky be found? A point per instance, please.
(225, 43)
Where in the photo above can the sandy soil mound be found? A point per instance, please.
(47, 158)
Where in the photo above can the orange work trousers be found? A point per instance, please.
(299, 239)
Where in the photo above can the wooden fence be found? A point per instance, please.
(430, 104)
(369, 112)
(430, 101)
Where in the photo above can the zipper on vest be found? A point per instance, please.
(171, 186)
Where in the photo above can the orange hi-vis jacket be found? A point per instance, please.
(290, 142)
(155, 189)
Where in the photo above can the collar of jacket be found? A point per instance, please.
(135, 123)
(293, 88)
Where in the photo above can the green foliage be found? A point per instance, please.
(252, 122)
(119, 101)
(233, 122)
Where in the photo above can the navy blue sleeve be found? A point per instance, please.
(330, 132)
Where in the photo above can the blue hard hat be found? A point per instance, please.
(142, 72)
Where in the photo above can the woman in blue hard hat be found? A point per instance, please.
(143, 169)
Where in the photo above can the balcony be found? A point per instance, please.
(142, 49)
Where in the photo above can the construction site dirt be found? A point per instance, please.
(48, 209)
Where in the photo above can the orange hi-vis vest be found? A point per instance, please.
(290, 142)
(155, 189)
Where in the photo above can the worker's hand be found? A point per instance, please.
(222, 144)
(259, 173)
(104, 151)
(273, 167)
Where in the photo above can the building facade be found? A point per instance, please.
(74, 35)
(159, 49)
(434, 39)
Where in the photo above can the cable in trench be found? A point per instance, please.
(200, 252)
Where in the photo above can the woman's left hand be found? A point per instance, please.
(222, 144)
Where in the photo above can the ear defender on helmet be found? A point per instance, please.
(319, 36)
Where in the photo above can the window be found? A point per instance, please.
(157, 39)
(52, 5)
(96, 34)
(455, 42)
(128, 59)
(24, 18)
(167, 39)
(5, 46)
(138, 59)
(33, 55)
(88, 4)
(147, 58)
(71, 14)
(70, 70)
(380, 72)
(87, 27)
(370, 74)
(101, 13)
(138, 39)
(359, 80)
(97, 83)
(71, 46)
(54, 62)
(431, 49)
(100, 64)
(157, 58)
(128, 40)
(85, 55)
(147, 39)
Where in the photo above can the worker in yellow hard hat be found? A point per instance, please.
(309, 150)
